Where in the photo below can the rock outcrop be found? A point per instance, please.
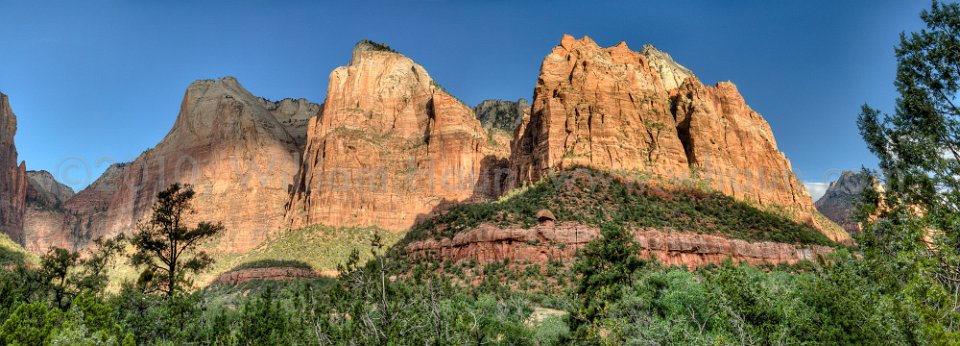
(238, 151)
(617, 109)
(502, 115)
(45, 191)
(13, 176)
(839, 202)
(237, 277)
(560, 242)
(390, 148)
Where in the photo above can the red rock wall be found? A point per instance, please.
(390, 148)
(13, 176)
(226, 142)
(614, 108)
(545, 242)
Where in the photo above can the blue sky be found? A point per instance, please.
(96, 82)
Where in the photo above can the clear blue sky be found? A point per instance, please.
(102, 81)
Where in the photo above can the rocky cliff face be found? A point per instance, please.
(390, 147)
(236, 150)
(502, 115)
(13, 176)
(840, 200)
(614, 108)
(45, 191)
(560, 242)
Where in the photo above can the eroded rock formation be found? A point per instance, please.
(502, 115)
(614, 108)
(547, 241)
(239, 152)
(391, 147)
(840, 200)
(45, 191)
(13, 176)
(264, 274)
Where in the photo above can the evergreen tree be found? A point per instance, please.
(605, 266)
(167, 247)
(912, 246)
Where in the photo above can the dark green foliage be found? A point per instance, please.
(912, 245)
(604, 266)
(30, 324)
(376, 46)
(166, 247)
(595, 198)
(271, 264)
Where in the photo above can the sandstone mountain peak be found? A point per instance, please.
(672, 74)
(392, 147)
(839, 202)
(367, 47)
(45, 190)
(614, 108)
(236, 150)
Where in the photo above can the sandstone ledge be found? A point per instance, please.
(545, 242)
(264, 274)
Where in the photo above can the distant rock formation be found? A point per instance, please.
(13, 176)
(614, 108)
(239, 152)
(839, 202)
(502, 115)
(390, 148)
(45, 191)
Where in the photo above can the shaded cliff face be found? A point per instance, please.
(840, 200)
(390, 147)
(502, 115)
(45, 191)
(13, 176)
(614, 108)
(234, 148)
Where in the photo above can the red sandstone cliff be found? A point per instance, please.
(238, 151)
(13, 176)
(390, 147)
(614, 108)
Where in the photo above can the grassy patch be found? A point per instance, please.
(12, 253)
(318, 247)
(593, 197)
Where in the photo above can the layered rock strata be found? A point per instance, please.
(547, 241)
(264, 274)
(238, 151)
(617, 109)
(391, 148)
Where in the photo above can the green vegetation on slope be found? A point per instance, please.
(12, 253)
(594, 197)
(319, 247)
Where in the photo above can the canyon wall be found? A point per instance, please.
(13, 176)
(618, 109)
(391, 148)
(238, 151)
